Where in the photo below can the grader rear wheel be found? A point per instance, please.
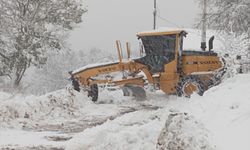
(190, 85)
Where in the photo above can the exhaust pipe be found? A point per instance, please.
(211, 43)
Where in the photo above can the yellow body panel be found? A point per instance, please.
(194, 64)
(84, 77)
(170, 78)
(168, 82)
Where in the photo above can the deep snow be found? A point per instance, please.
(69, 120)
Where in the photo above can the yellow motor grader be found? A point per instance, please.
(165, 66)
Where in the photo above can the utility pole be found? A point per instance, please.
(155, 13)
(204, 27)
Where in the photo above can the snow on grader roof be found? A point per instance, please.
(161, 31)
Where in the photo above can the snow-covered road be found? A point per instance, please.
(69, 120)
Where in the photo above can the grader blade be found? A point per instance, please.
(134, 90)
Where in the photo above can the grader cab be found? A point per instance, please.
(165, 66)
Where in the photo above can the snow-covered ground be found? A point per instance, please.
(66, 119)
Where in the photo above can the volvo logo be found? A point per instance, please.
(208, 62)
(202, 62)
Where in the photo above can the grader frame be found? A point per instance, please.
(166, 66)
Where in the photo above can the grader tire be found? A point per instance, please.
(93, 93)
(126, 91)
(189, 85)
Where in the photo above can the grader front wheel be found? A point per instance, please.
(93, 92)
(190, 85)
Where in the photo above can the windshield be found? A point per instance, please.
(160, 50)
(159, 45)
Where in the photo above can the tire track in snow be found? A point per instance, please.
(94, 123)
(72, 128)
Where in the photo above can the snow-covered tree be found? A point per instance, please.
(232, 16)
(31, 28)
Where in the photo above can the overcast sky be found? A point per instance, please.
(109, 20)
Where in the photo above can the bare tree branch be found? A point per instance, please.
(5, 57)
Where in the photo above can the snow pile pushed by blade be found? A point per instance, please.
(145, 130)
(136, 130)
(182, 131)
(53, 111)
(61, 104)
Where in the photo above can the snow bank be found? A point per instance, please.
(224, 110)
(145, 130)
(60, 104)
(229, 113)
(133, 131)
(55, 108)
(182, 131)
